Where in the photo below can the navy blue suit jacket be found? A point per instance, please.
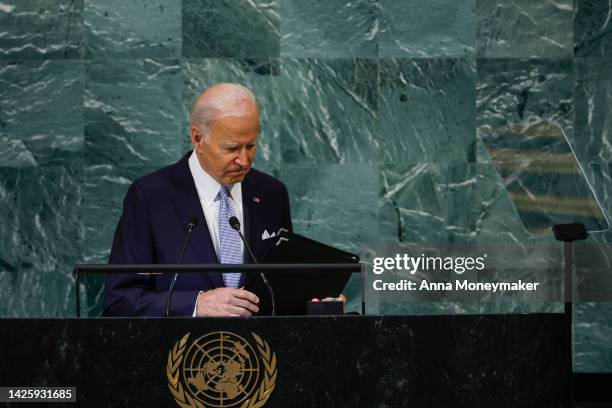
(156, 211)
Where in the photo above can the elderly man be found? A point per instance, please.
(210, 184)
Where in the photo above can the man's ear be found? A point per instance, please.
(196, 136)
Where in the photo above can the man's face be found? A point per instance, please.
(228, 151)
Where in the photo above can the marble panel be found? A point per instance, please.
(104, 188)
(599, 176)
(427, 28)
(329, 28)
(41, 29)
(525, 29)
(133, 112)
(542, 176)
(329, 110)
(427, 111)
(592, 333)
(526, 121)
(513, 91)
(335, 203)
(41, 238)
(593, 93)
(231, 28)
(41, 112)
(593, 29)
(133, 29)
(430, 202)
(592, 265)
(15, 153)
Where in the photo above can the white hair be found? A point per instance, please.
(229, 100)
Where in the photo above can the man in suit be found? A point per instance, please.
(210, 184)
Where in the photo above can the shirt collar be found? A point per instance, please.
(208, 187)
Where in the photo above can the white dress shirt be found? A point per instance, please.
(208, 190)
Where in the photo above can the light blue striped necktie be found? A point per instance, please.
(230, 245)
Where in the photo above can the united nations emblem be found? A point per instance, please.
(221, 369)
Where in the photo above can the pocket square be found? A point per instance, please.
(267, 235)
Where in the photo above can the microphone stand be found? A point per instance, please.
(190, 228)
(235, 224)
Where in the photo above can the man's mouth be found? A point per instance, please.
(237, 172)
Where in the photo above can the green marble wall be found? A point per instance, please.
(370, 116)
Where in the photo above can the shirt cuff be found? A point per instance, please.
(195, 309)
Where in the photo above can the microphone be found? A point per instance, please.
(235, 224)
(193, 222)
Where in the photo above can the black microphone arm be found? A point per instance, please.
(235, 224)
(193, 222)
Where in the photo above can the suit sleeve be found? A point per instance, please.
(130, 294)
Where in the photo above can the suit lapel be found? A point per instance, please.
(187, 205)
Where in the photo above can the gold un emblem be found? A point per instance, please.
(221, 369)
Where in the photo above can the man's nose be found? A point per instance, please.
(242, 159)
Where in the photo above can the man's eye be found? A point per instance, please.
(250, 146)
(231, 149)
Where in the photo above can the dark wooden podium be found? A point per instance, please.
(346, 361)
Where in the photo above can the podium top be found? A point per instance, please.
(212, 268)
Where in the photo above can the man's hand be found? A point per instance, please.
(340, 298)
(227, 302)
